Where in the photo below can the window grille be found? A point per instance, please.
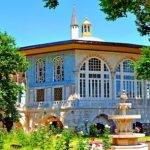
(40, 95)
(40, 71)
(57, 94)
(94, 64)
(83, 67)
(125, 80)
(58, 69)
(94, 80)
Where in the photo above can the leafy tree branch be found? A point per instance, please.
(142, 66)
(11, 62)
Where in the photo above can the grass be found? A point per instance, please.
(20, 138)
(9, 140)
(144, 139)
(73, 144)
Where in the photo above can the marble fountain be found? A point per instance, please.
(124, 138)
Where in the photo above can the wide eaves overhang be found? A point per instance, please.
(80, 45)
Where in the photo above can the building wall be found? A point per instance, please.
(76, 116)
(110, 58)
(69, 63)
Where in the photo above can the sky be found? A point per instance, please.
(30, 23)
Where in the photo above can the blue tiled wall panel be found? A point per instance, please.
(69, 67)
(30, 72)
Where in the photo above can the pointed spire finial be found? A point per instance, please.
(86, 18)
(74, 25)
(74, 21)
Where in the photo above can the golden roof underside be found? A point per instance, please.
(80, 45)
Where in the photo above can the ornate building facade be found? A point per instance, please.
(79, 81)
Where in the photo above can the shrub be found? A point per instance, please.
(93, 131)
(63, 143)
(41, 138)
(106, 141)
(82, 145)
(22, 137)
(55, 130)
(1, 139)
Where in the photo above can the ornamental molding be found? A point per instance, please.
(94, 56)
(124, 59)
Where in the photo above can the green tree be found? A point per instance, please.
(51, 4)
(1, 139)
(11, 62)
(121, 8)
(142, 66)
(106, 140)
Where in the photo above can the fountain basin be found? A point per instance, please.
(140, 146)
(122, 117)
(124, 105)
(124, 139)
(124, 123)
(133, 135)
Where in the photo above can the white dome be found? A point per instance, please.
(90, 38)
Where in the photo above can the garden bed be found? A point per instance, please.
(44, 138)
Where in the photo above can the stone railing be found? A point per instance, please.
(109, 103)
(104, 103)
(64, 104)
(48, 105)
(20, 106)
(68, 104)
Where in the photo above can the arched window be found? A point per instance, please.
(40, 71)
(94, 80)
(125, 80)
(58, 69)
